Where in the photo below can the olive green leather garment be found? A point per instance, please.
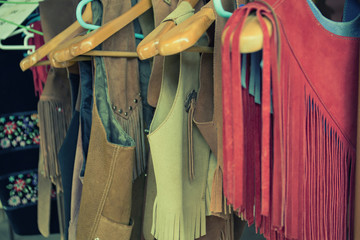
(180, 206)
(161, 9)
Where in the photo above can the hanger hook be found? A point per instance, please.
(79, 8)
(85, 25)
(220, 9)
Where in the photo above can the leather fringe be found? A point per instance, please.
(218, 205)
(134, 126)
(190, 140)
(328, 177)
(54, 121)
(179, 225)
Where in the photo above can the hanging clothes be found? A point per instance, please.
(179, 208)
(105, 208)
(39, 72)
(55, 112)
(19, 147)
(219, 227)
(161, 9)
(211, 130)
(124, 86)
(67, 151)
(76, 188)
(308, 144)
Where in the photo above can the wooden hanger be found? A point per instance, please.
(62, 53)
(90, 41)
(251, 39)
(63, 64)
(147, 48)
(44, 50)
(189, 32)
(87, 56)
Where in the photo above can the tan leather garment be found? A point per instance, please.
(54, 109)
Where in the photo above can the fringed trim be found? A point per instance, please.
(54, 121)
(190, 140)
(179, 224)
(39, 76)
(328, 179)
(218, 204)
(237, 187)
(134, 126)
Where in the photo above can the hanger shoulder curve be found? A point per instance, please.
(44, 50)
(90, 41)
(187, 33)
(53, 55)
(148, 47)
(251, 38)
(62, 53)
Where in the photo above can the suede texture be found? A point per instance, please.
(105, 206)
(203, 116)
(137, 207)
(67, 151)
(56, 90)
(122, 73)
(208, 114)
(123, 80)
(161, 9)
(149, 201)
(180, 204)
(307, 146)
(76, 187)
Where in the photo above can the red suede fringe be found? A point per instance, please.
(289, 172)
(39, 72)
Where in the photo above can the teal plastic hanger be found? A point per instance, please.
(85, 25)
(220, 9)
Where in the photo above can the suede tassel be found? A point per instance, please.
(134, 126)
(54, 122)
(248, 169)
(233, 162)
(190, 140)
(329, 167)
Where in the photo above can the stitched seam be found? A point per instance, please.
(105, 192)
(172, 109)
(315, 92)
(278, 3)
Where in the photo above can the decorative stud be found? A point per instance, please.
(130, 108)
(135, 100)
(139, 94)
(125, 113)
(97, 238)
(120, 111)
(114, 107)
